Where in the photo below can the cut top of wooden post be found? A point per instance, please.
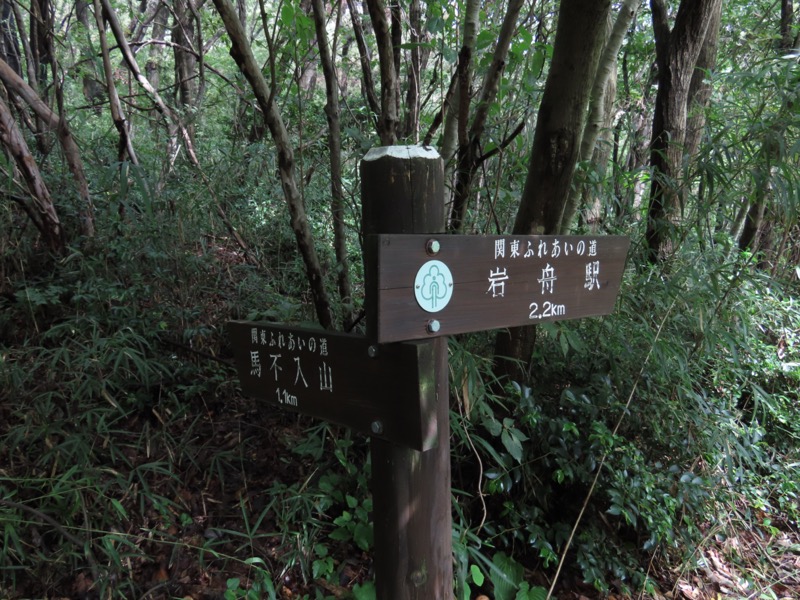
(431, 285)
(404, 152)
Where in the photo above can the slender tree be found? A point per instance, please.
(677, 54)
(364, 60)
(580, 36)
(389, 118)
(125, 149)
(243, 56)
(9, 41)
(51, 121)
(185, 34)
(468, 159)
(773, 139)
(40, 208)
(332, 115)
(600, 109)
(454, 109)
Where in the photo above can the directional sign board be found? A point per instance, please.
(441, 285)
(383, 391)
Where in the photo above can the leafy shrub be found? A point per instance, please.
(646, 422)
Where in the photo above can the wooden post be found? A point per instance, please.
(402, 191)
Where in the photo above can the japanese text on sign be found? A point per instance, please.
(278, 351)
(497, 281)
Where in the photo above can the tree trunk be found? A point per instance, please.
(243, 56)
(677, 53)
(579, 40)
(456, 111)
(600, 106)
(92, 89)
(469, 144)
(789, 39)
(184, 35)
(754, 224)
(125, 148)
(9, 42)
(411, 122)
(152, 67)
(580, 33)
(388, 119)
(39, 17)
(53, 122)
(41, 209)
(30, 65)
(335, 152)
(700, 86)
(367, 83)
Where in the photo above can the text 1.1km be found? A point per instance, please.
(284, 397)
(548, 309)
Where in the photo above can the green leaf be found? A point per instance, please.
(506, 575)
(564, 343)
(512, 444)
(119, 508)
(435, 24)
(345, 518)
(535, 593)
(365, 591)
(477, 575)
(485, 39)
(493, 425)
(322, 568)
(287, 14)
(341, 535)
(233, 583)
(362, 536)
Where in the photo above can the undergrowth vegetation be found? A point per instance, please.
(647, 426)
(132, 465)
(643, 447)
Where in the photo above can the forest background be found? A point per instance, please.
(169, 166)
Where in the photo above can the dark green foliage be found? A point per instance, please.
(126, 451)
(679, 404)
(117, 394)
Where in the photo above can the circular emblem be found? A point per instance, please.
(433, 286)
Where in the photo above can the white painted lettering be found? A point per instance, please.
(325, 378)
(548, 279)
(255, 363)
(275, 367)
(592, 275)
(499, 249)
(497, 282)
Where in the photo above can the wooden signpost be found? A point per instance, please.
(443, 285)
(339, 378)
(420, 285)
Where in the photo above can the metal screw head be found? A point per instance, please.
(433, 326)
(432, 247)
(372, 351)
(376, 427)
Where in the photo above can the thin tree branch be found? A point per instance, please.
(55, 123)
(504, 144)
(388, 119)
(363, 53)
